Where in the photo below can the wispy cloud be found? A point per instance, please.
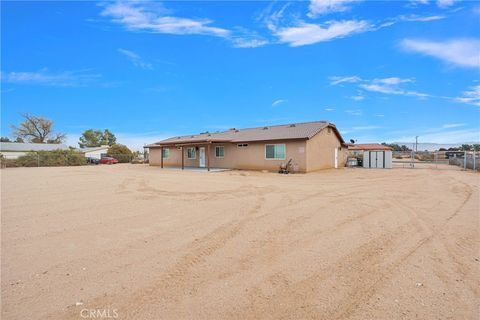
(414, 17)
(357, 97)
(144, 16)
(460, 52)
(445, 3)
(329, 109)
(309, 33)
(277, 102)
(470, 96)
(364, 128)
(320, 7)
(354, 112)
(391, 85)
(249, 42)
(78, 78)
(135, 59)
(453, 125)
(349, 79)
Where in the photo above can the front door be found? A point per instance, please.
(201, 157)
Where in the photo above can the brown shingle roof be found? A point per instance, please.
(305, 130)
(368, 146)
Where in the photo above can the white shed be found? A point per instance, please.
(374, 155)
(95, 152)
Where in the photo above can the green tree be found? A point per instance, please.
(19, 140)
(466, 147)
(97, 138)
(37, 130)
(5, 139)
(476, 147)
(120, 152)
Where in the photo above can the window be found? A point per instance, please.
(166, 153)
(219, 152)
(191, 153)
(275, 151)
(242, 145)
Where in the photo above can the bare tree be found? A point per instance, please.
(37, 129)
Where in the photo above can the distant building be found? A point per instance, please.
(13, 150)
(95, 152)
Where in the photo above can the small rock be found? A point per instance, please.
(419, 284)
(79, 304)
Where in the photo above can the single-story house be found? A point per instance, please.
(13, 150)
(374, 155)
(311, 146)
(95, 152)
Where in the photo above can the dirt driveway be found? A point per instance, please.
(136, 242)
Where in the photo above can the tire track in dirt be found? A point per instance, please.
(175, 278)
(367, 275)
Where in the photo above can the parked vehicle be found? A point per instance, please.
(91, 160)
(108, 160)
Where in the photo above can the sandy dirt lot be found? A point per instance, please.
(138, 242)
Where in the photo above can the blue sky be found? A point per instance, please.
(381, 71)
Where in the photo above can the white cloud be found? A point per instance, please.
(277, 102)
(453, 125)
(44, 77)
(319, 7)
(329, 109)
(414, 18)
(355, 112)
(309, 33)
(357, 98)
(135, 59)
(142, 16)
(363, 128)
(338, 80)
(445, 3)
(391, 85)
(242, 42)
(471, 96)
(461, 52)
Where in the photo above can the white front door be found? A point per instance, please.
(201, 157)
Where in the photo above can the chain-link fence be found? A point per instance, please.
(62, 158)
(451, 160)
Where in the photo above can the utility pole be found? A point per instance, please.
(416, 144)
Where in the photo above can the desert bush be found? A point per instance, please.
(120, 152)
(54, 158)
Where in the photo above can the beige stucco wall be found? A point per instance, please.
(249, 158)
(321, 151)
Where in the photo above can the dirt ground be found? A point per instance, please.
(138, 242)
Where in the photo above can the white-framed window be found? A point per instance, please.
(166, 153)
(191, 153)
(242, 145)
(275, 151)
(219, 152)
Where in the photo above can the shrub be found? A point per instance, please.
(54, 158)
(120, 152)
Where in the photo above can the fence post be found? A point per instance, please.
(38, 160)
(465, 160)
(474, 164)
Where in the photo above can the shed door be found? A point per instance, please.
(380, 159)
(372, 159)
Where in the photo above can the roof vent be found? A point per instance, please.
(292, 125)
(265, 128)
